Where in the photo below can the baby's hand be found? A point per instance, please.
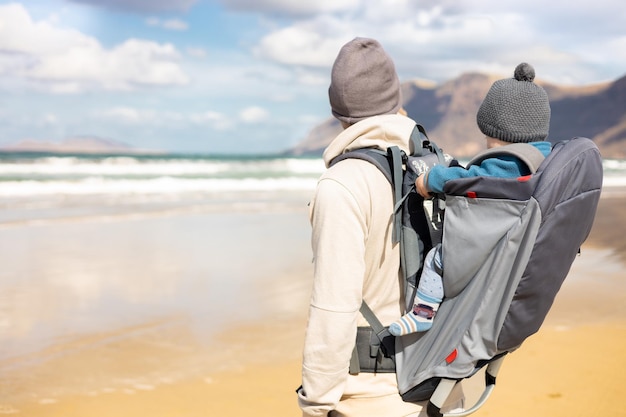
(421, 187)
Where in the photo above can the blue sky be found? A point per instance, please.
(251, 76)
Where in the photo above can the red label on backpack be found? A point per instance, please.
(524, 178)
(451, 357)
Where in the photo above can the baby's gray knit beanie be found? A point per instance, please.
(516, 109)
(364, 82)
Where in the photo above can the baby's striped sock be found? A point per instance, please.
(419, 319)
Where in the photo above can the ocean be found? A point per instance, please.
(46, 187)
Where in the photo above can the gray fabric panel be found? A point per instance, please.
(475, 227)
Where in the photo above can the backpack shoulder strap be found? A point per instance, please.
(375, 156)
(527, 153)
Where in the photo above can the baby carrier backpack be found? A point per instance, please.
(508, 244)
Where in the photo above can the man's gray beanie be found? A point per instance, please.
(364, 82)
(516, 109)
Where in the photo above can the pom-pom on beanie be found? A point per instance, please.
(364, 82)
(516, 109)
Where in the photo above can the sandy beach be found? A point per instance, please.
(216, 344)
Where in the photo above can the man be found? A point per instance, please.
(354, 257)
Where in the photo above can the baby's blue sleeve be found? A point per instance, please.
(507, 167)
(439, 175)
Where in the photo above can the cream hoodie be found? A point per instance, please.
(354, 259)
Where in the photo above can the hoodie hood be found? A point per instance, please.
(379, 132)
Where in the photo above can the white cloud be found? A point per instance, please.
(196, 52)
(162, 118)
(50, 119)
(129, 115)
(291, 7)
(65, 60)
(313, 78)
(301, 45)
(153, 21)
(175, 24)
(439, 40)
(141, 5)
(216, 120)
(253, 114)
(169, 24)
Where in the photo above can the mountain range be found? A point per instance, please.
(448, 113)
